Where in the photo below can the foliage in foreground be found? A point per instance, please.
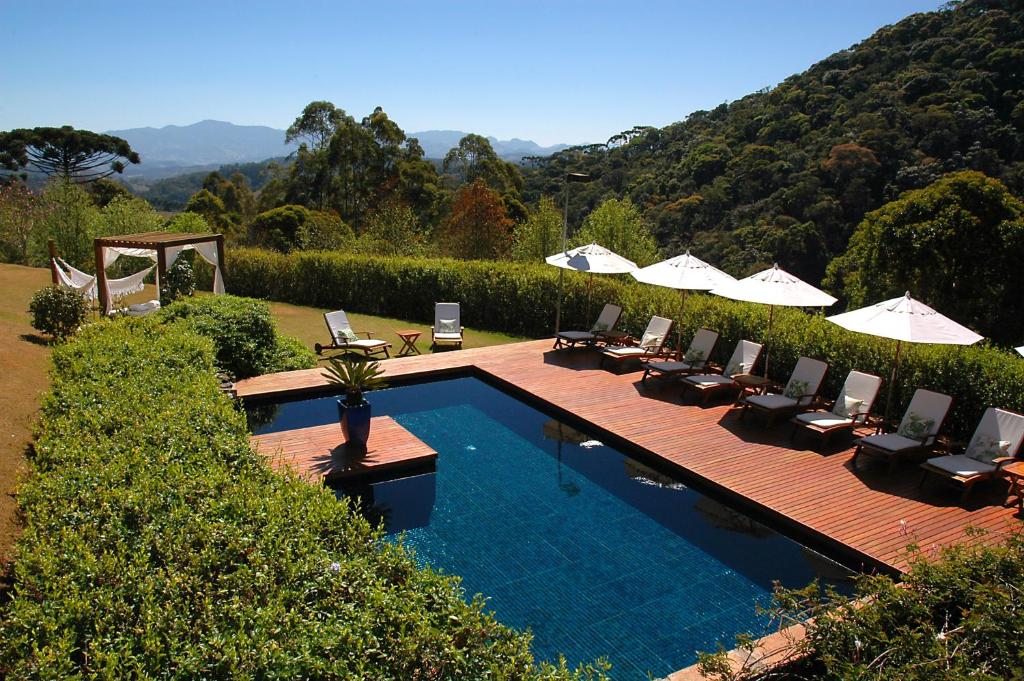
(158, 545)
(520, 299)
(958, 617)
(58, 311)
(244, 334)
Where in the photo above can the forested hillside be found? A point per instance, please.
(786, 174)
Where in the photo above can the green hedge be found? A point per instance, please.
(156, 544)
(244, 334)
(520, 299)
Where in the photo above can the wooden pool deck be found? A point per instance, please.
(865, 516)
(318, 454)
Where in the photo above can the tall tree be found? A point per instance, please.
(316, 124)
(619, 226)
(540, 235)
(76, 155)
(955, 244)
(478, 227)
(475, 159)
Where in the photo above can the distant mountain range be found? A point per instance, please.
(206, 145)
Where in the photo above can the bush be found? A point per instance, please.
(246, 339)
(156, 544)
(179, 281)
(58, 311)
(520, 299)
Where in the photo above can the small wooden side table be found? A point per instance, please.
(408, 337)
(751, 384)
(1014, 472)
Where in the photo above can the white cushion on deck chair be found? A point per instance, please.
(576, 335)
(892, 442)
(708, 380)
(366, 343)
(823, 419)
(961, 465)
(669, 367)
(448, 336)
(626, 352)
(772, 402)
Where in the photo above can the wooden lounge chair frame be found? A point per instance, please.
(337, 321)
(446, 311)
(825, 430)
(606, 321)
(968, 481)
(748, 353)
(643, 354)
(704, 341)
(865, 446)
(803, 402)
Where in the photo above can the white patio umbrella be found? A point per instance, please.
(685, 273)
(593, 259)
(1020, 350)
(774, 286)
(905, 320)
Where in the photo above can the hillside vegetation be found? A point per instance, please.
(786, 174)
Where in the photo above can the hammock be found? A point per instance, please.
(86, 283)
(75, 279)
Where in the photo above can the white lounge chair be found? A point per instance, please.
(916, 433)
(448, 327)
(996, 441)
(799, 394)
(849, 410)
(693, 362)
(344, 338)
(606, 321)
(650, 346)
(743, 360)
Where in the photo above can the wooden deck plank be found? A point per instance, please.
(814, 490)
(318, 454)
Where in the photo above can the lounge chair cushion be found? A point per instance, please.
(891, 442)
(626, 352)
(986, 448)
(847, 407)
(670, 367)
(366, 343)
(961, 465)
(916, 427)
(576, 335)
(447, 326)
(823, 419)
(772, 402)
(708, 380)
(347, 336)
(448, 336)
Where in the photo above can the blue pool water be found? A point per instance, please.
(594, 552)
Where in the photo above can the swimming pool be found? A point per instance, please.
(595, 552)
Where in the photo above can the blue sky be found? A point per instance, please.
(569, 71)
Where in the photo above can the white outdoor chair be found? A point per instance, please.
(848, 411)
(695, 360)
(916, 433)
(799, 394)
(344, 338)
(651, 345)
(996, 442)
(744, 358)
(448, 327)
(606, 321)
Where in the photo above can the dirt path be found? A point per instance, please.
(24, 363)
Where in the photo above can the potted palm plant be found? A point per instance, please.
(355, 377)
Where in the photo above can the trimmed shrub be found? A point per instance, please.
(246, 339)
(520, 299)
(179, 281)
(156, 544)
(58, 311)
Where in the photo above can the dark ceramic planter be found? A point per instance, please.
(355, 423)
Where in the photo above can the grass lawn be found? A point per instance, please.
(24, 367)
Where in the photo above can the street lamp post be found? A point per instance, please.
(569, 177)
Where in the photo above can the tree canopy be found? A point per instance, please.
(76, 155)
(955, 244)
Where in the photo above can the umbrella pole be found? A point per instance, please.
(892, 380)
(558, 307)
(679, 330)
(590, 285)
(768, 338)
